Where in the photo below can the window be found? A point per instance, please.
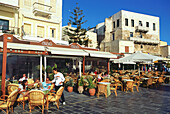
(118, 23)
(140, 23)
(53, 32)
(27, 2)
(131, 34)
(4, 24)
(40, 31)
(113, 36)
(126, 49)
(114, 24)
(27, 29)
(154, 27)
(147, 24)
(132, 23)
(126, 22)
(140, 36)
(53, 4)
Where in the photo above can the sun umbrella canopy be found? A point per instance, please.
(138, 57)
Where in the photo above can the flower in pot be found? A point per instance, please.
(69, 85)
(80, 85)
(91, 86)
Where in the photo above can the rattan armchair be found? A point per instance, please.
(113, 87)
(102, 89)
(36, 98)
(12, 87)
(54, 97)
(129, 86)
(22, 99)
(9, 102)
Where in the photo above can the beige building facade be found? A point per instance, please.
(127, 32)
(32, 19)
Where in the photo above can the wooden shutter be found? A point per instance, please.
(40, 31)
(126, 49)
(27, 2)
(27, 28)
(53, 4)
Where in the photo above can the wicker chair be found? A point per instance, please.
(36, 98)
(102, 89)
(22, 99)
(113, 87)
(119, 83)
(9, 102)
(129, 86)
(54, 97)
(12, 87)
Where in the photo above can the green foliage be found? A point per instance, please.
(90, 82)
(69, 83)
(78, 34)
(49, 69)
(51, 76)
(55, 66)
(81, 81)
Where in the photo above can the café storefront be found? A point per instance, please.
(19, 57)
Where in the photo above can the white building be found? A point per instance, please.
(127, 32)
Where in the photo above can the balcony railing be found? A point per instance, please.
(142, 40)
(142, 29)
(9, 30)
(41, 9)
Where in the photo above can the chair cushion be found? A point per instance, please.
(22, 98)
(3, 105)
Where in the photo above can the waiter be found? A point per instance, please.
(58, 80)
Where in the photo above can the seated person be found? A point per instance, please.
(47, 84)
(24, 77)
(105, 74)
(100, 77)
(22, 87)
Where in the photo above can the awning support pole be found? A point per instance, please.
(41, 68)
(45, 66)
(80, 67)
(84, 65)
(108, 66)
(5, 36)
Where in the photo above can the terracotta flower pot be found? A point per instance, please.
(80, 89)
(70, 89)
(92, 91)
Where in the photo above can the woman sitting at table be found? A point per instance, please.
(47, 84)
(100, 76)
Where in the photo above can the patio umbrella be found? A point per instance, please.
(138, 57)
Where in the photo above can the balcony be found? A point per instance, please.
(142, 40)
(42, 9)
(9, 30)
(142, 29)
(9, 3)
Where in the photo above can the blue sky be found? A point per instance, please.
(96, 11)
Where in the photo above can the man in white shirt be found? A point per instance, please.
(58, 81)
(24, 77)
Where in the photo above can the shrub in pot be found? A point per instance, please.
(91, 86)
(69, 85)
(80, 85)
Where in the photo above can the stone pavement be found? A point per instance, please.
(147, 101)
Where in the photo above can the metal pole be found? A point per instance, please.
(41, 68)
(45, 64)
(80, 67)
(83, 65)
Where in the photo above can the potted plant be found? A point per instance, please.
(91, 86)
(80, 85)
(69, 85)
